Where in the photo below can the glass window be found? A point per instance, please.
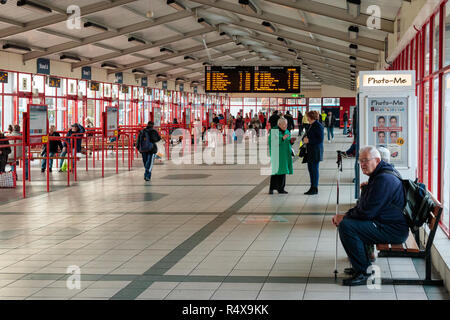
(331, 101)
(447, 35)
(435, 136)
(427, 49)
(426, 133)
(24, 82)
(315, 102)
(446, 151)
(436, 43)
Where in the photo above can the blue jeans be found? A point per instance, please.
(44, 161)
(148, 158)
(345, 127)
(63, 154)
(313, 169)
(356, 234)
(330, 130)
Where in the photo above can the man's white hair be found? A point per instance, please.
(282, 119)
(372, 150)
(385, 154)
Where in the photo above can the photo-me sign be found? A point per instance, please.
(380, 80)
(252, 79)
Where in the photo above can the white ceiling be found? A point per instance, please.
(328, 33)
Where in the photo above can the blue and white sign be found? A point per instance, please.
(86, 73)
(181, 87)
(119, 77)
(144, 81)
(43, 66)
(195, 89)
(164, 84)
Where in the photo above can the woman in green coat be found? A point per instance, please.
(281, 159)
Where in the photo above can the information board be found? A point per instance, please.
(38, 127)
(252, 79)
(277, 79)
(94, 86)
(3, 77)
(54, 82)
(388, 121)
(228, 79)
(112, 121)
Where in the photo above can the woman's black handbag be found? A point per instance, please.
(302, 151)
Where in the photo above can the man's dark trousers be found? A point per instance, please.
(355, 234)
(147, 158)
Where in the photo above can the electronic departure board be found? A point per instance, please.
(276, 79)
(252, 79)
(54, 82)
(228, 79)
(3, 77)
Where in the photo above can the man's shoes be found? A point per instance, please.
(282, 191)
(358, 279)
(50, 169)
(42, 170)
(311, 191)
(270, 191)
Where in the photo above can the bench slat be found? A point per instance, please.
(383, 247)
(397, 247)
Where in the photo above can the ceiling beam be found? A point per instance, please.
(109, 34)
(170, 56)
(57, 18)
(304, 39)
(138, 48)
(293, 23)
(334, 12)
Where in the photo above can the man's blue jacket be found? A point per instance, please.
(381, 199)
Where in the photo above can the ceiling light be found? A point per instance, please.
(33, 6)
(138, 71)
(69, 58)
(249, 5)
(163, 49)
(206, 63)
(203, 22)
(353, 48)
(107, 65)
(136, 40)
(352, 59)
(269, 26)
(292, 50)
(353, 7)
(161, 76)
(353, 32)
(352, 67)
(95, 26)
(15, 48)
(195, 83)
(190, 58)
(3, 1)
(180, 80)
(176, 5)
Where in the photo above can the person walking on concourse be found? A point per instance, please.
(146, 144)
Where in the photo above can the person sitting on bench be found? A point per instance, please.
(376, 218)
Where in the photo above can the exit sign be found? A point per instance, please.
(298, 95)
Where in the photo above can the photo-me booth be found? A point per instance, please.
(388, 118)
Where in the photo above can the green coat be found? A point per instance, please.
(283, 163)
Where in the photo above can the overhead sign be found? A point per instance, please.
(144, 81)
(387, 80)
(86, 73)
(38, 123)
(164, 84)
(119, 77)
(54, 82)
(112, 121)
(252, 79)
(181, 87)
(3, 77)
(94, 86)
(195, 89)
(43, 66)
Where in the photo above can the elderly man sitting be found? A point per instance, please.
(376, 217)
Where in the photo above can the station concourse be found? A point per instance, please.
(80, 80)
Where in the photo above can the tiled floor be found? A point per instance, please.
(193, 232)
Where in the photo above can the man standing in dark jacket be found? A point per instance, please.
(77, 131)
(273, 120)
(55, 146)
(377, 217)
(345, 119)
(148, 156)
(290, 121)
(314, 150)
(329, 124)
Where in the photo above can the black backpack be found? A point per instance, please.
(145, 143)
(418, 202)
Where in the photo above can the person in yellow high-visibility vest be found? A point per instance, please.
(323, 115)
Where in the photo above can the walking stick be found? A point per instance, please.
(339, 170)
